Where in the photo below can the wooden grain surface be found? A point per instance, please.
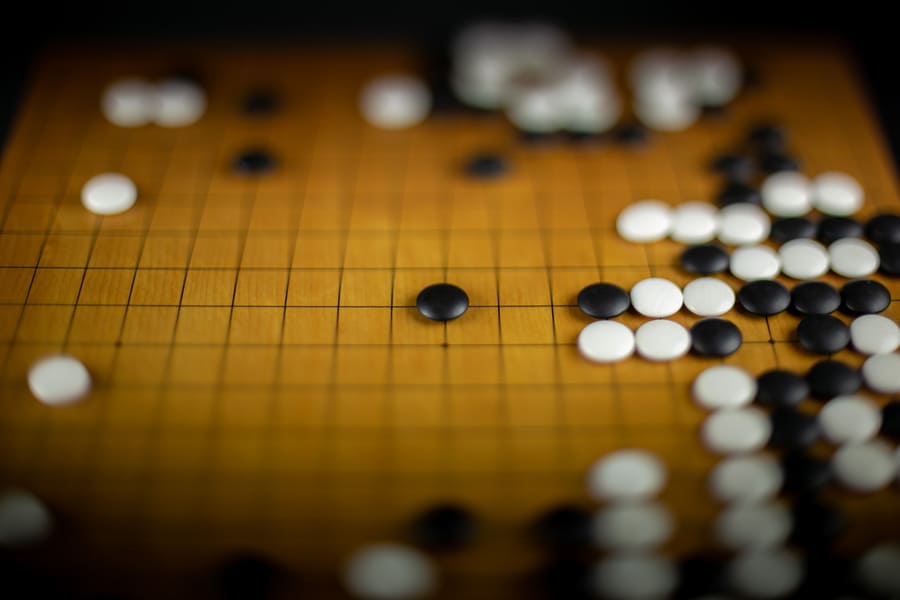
(263, 380)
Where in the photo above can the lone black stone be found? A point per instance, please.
(884, 228)
(736, 192)
(792, 228)
(255, 161)
(715, 337)
(564, 527)
(764, 297)
(830, 378)
(804, 474)
(733, 167)
(246, 576)
(260, 103)
(704, 259)
(832, 229)
(486, 166)
(792, 429)
(445, 527)
(603, 300)
(442, 302)
(781, 389)
(890, 419)
(823, 334)
(890, 258)
(563, 577)
(773, 162)
(816, 523)
(814, 298)
(864, 297)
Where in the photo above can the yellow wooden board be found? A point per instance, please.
(263, 380)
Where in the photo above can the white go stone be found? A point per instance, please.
(851, 257)
(395, 101)
(864, 467)
(535, 109)
(387, 571)
(662, 340)
(178, 103)
(629, 474)
(645, 221)
(694, 223)
(765, 574)
(724, 386)
(754, 262)
(24, 520)
(632, 526)
(742, 224)
(741, 479)
(753, 526)
(59, 380)
(656, 297)
(786, 194)
(879, 569)
(606, 341)
(129, 102)
(881, 373)
(736, 431)
(849, 419)
(108, 194)
(634, 576)
(837, 194)
(874, 334)
(803, 259)
(708, 297)
(716, 73)
(666, 114)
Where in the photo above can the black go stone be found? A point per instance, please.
(792, 429)
(767, 136)
(715, 337)
(832, 229)
(486, 166)
(864, 297)
(827, 577)
(442, 302)
(814, 298)
(603, 300)
(260, 103)
(631, 134)
(700, 574)
(816, 523)
(890, 419)
(890, 258)
(736, 192)
(773, 162)
(823, 334)
(781, 389)
(246, 576)
(562, 577)
(704, 259)
(884, 228)
(805, 474)
(830, 378)
(564, 527)
(254, 162)
(445, 527)
(792, 228)
(733, 167)
(764, 297)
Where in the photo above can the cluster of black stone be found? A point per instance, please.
(709, 337)
(763, 150)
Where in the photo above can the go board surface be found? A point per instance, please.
(262, 379)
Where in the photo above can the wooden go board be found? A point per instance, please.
(263, 380)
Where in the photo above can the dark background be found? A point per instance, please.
(866, 28)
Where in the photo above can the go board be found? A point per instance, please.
(263, 381)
